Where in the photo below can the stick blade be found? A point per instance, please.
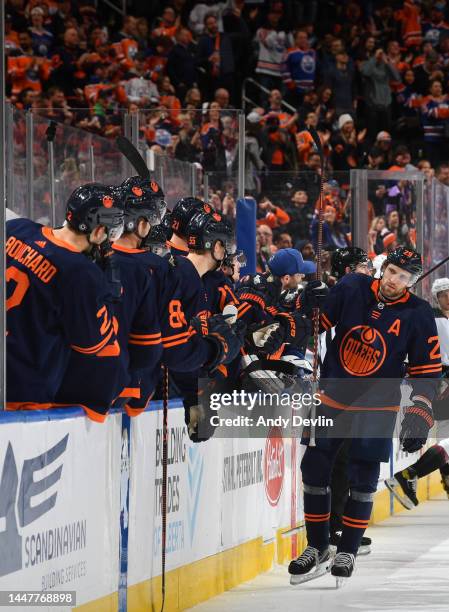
(127, 148)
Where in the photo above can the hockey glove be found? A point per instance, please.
(268, 338)
(418, 420)
(313, 296)
(225, 342)
(297, 328)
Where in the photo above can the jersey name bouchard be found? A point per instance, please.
(31, 259)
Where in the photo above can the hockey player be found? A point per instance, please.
(378, 323)
(57, 301)
(136, 309)
(190, 338)
(403, 484)
(343, 261)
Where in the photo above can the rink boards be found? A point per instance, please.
(80, 508)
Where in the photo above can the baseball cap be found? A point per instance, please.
(287, 261)
(309, 267)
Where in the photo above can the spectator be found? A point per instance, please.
(299, 67)
(270, 214)
(66, 72)
(304, 141)
(129, 29)
(334, 233)
(426, 72)
(273, 44)
(425, 166)
(283, 241)
(340, 79)
(305, 247)
(436, 26)
(442, 173)
(346, 145)
(215, 56)
(42, 39)
(375, 241)
(300, 212)
(59, 108)
(378, 72)
(286, 120)
(199, 13)
(26, 71)
(193, 98)
(168, 24)
(402, 159)
(181, 67)
(434, 114)
(221, 97)
(264, 247)
(326, 107)
(138, 87)
(384, 143)
(278, 151)
(189, 144)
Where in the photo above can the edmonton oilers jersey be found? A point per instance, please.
(56, 304)
(373, 338)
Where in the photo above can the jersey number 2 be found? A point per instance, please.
(22, 284)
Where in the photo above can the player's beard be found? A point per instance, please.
(389, 292)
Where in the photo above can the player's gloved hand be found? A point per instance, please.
(225, 342)
(313, 296)
(262, 290)
(418, 420)
(297, 328)
(268, 338)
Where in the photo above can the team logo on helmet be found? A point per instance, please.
(362, 351)
(217, 217)
(137, 191)
(207, 208)
(108, 202)
(154, 186)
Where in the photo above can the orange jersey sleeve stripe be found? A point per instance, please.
(145, 336)
(328, 401)
(93, 349)
(154, 342)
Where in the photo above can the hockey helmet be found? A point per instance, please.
(183, 211)
(232, 258)
(207, 228)
(347, 257)
(156, 240)
(142, 198)
(408, 260)
(93, 205)
(440, 284)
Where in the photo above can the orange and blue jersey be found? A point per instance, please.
(56, 304)
(139, 336)
(373, 339)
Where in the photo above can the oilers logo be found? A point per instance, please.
(362, 351)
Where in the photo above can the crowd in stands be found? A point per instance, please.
(370, 77)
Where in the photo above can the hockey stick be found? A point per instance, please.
(126, 147)
(164, 474)
(316, 314)
(443, 261)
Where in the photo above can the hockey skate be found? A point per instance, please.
(364, 548)
(342, 568)
(309, 565)
(403, 489)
